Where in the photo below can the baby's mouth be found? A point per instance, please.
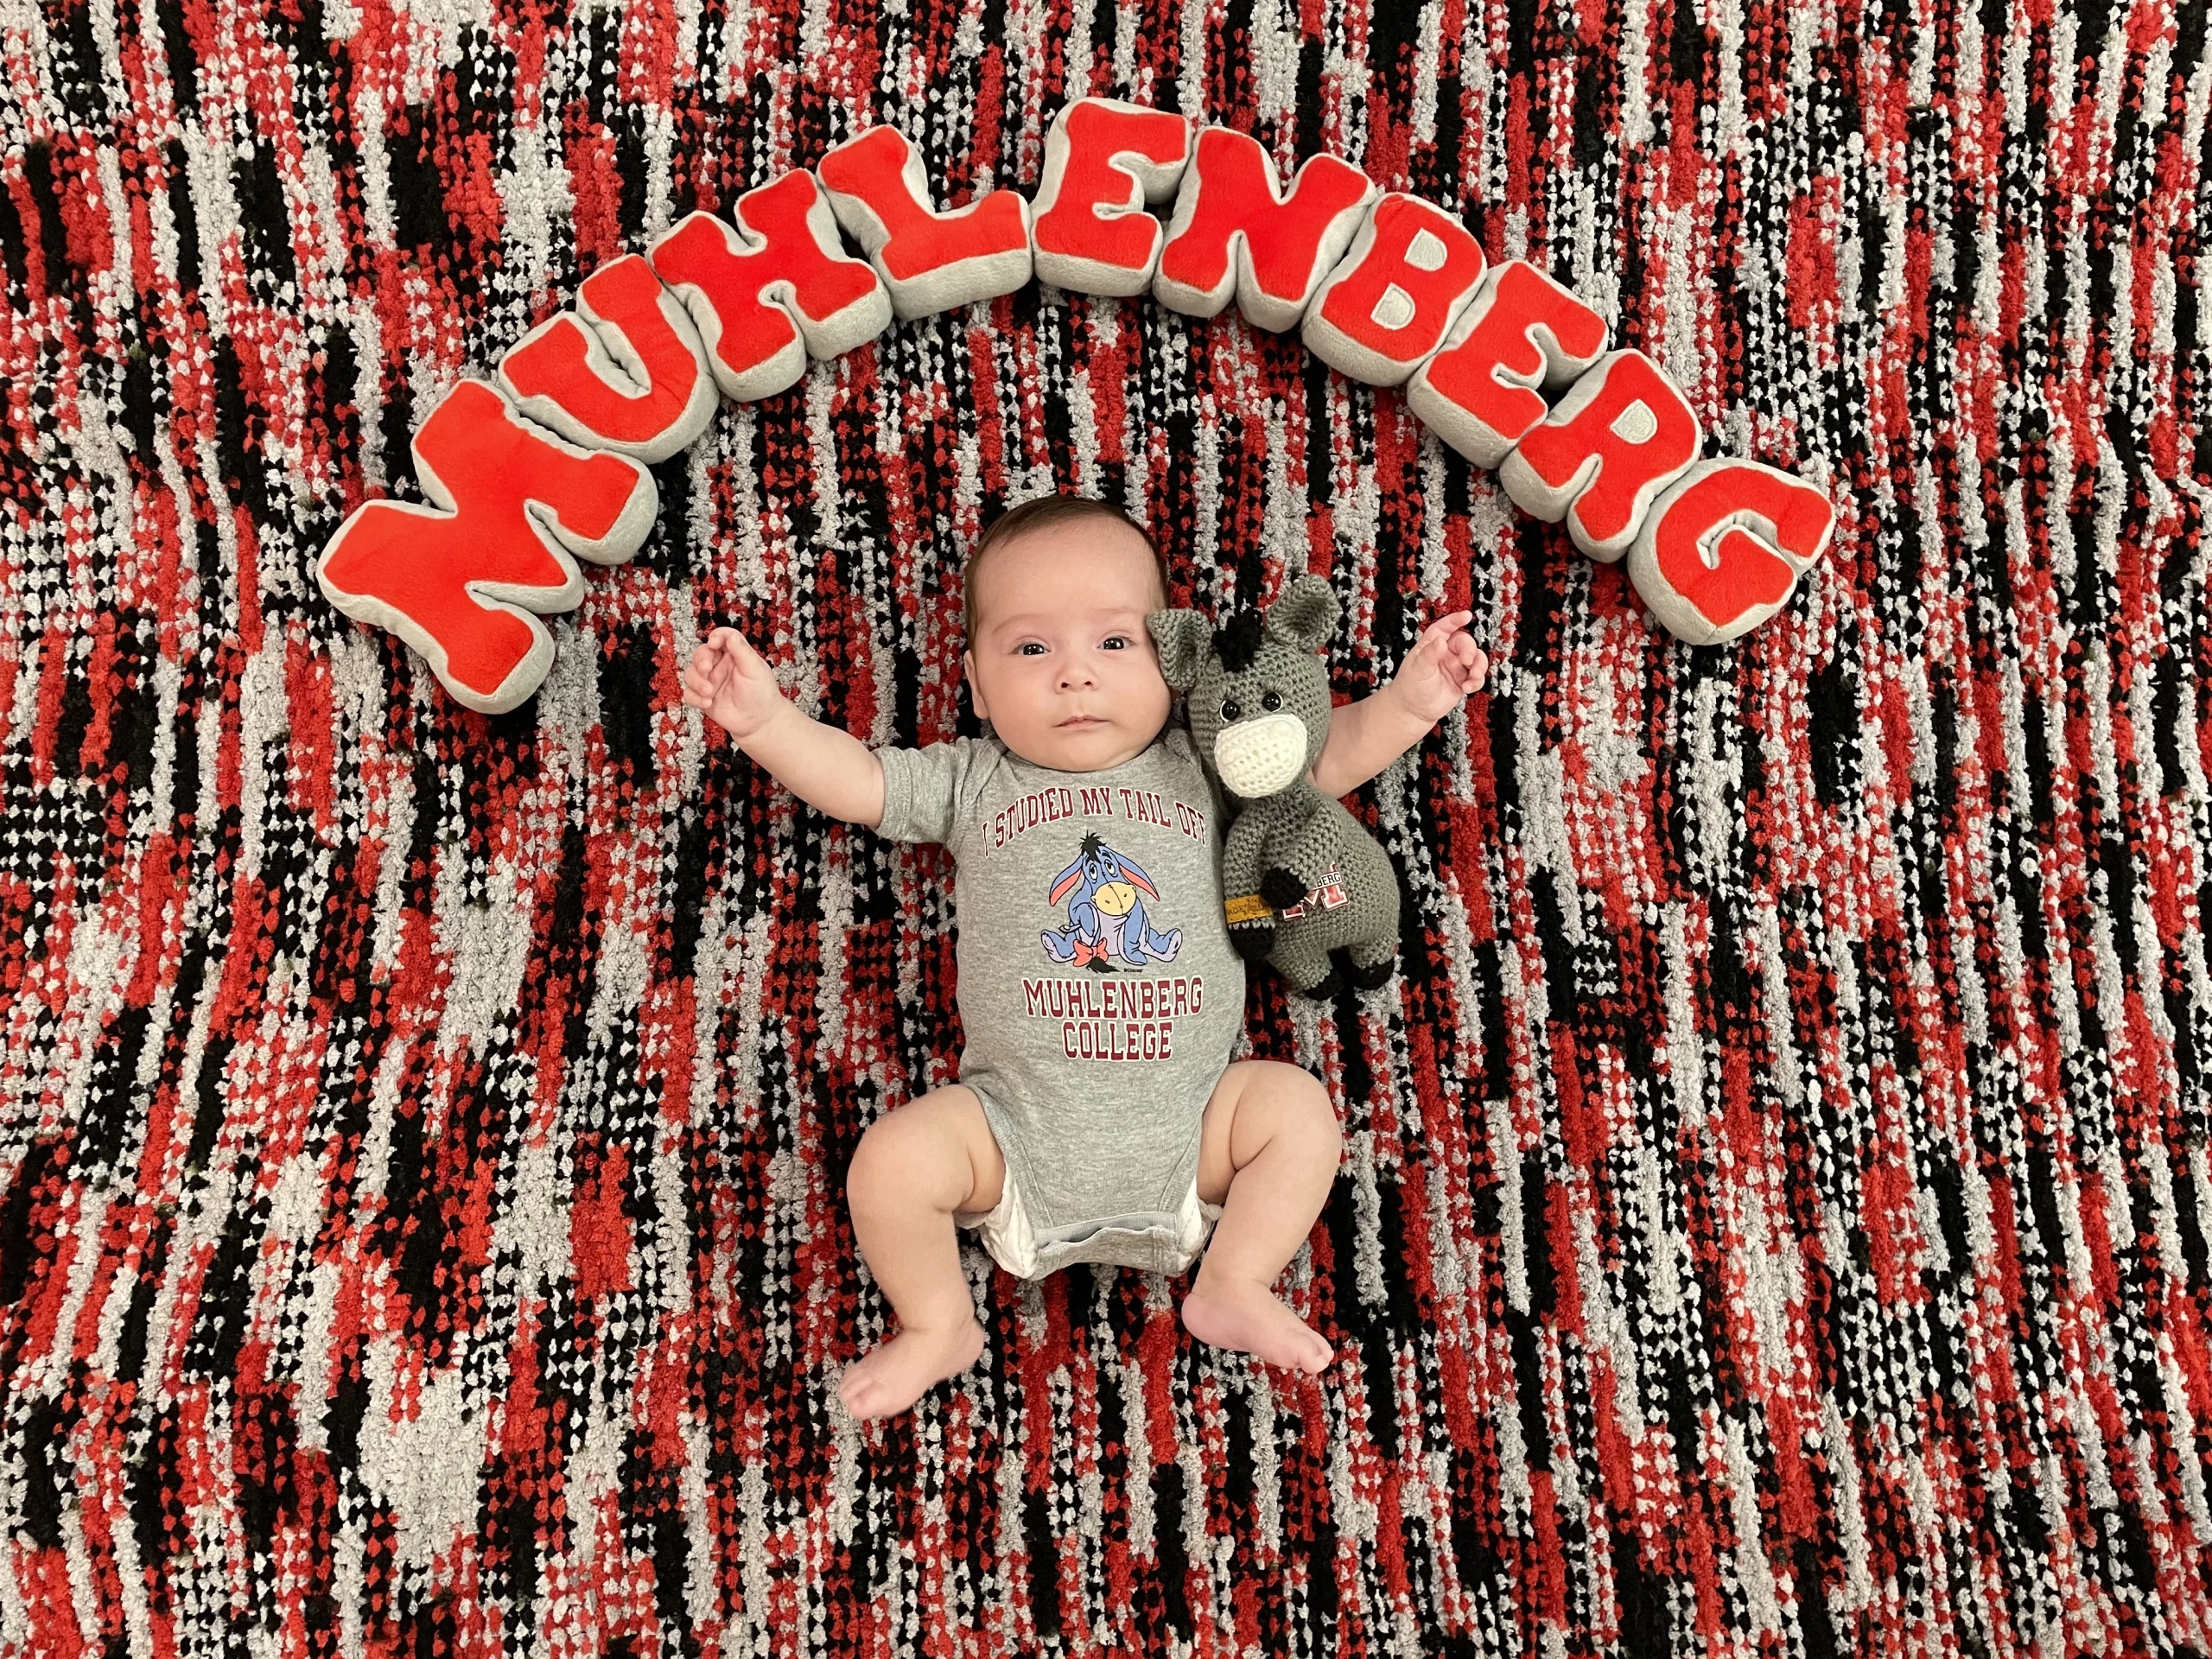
(1081, 721)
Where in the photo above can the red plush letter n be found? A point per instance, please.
(1236, 236)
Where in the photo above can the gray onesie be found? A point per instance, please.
(1098, 991)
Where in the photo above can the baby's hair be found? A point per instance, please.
(1038, 513)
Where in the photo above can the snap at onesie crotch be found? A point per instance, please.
(1155, 1239)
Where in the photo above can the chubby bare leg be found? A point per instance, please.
(1267, 1153)
(913, 1169)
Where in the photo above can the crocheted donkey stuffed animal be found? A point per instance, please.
(1307, 886)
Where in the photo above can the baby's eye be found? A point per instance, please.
(1230, 709)
(1029, 648)
(1116, 642)
(1271, 700)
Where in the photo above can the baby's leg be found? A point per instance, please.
(915, 1167)
(1268, 1155)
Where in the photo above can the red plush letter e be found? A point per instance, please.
(457, 579)
(1522, 331)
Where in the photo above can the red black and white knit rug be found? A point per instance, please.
(1774, 1208)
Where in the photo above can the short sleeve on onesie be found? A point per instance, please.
(923, 790)
(1099, 995)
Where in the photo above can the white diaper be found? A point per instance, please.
(1155, 1240)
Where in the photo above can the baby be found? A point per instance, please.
(1099, 1117)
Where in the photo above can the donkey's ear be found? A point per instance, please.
(1305, 612)
(1182, 637)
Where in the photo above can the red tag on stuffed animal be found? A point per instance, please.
(1103, 160)
(774, 289)
(1521, 332)
(625, 371)
(1328, 893)
(1235, 235)
(510, 503)
(1618, 437)
(1722, 550)
(928, 260)
(1389, 304)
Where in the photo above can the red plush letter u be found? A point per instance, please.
(624, 372)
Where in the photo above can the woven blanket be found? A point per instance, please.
(1773, 1211)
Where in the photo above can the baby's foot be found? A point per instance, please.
(893, 1375)
(1238, 1314)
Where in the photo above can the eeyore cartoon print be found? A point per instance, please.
(1107, 922)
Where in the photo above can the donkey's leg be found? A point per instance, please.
(1302, 959)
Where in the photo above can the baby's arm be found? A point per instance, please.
(1365, 737)
(823, 766)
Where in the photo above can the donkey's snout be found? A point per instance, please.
(1258, 758)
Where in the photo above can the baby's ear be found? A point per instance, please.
(974, 690)
(1305, 612)
(1182, 637)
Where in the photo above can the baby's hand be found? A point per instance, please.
(728, 680)
(1444, 666)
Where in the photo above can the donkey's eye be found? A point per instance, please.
(1271, 700)
(1229, 710)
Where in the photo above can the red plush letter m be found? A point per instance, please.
(457, 579)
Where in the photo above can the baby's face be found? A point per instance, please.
(1062, 663)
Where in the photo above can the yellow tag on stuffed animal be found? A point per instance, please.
(1246, 907)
